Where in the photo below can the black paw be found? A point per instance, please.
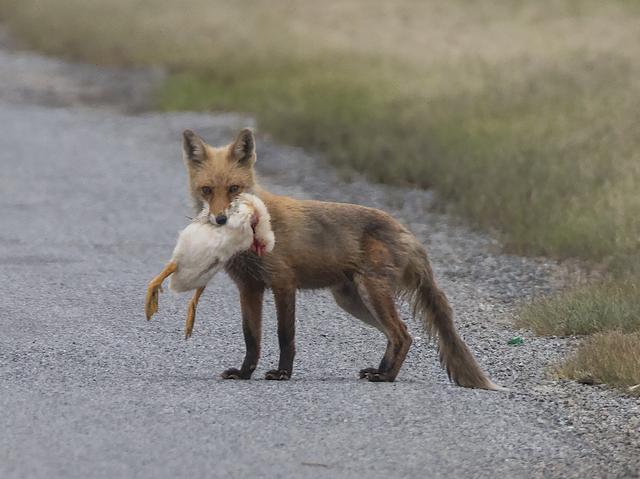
(374, 375)
(234, 373)
(278, 375)
(364, 373)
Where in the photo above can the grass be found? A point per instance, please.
(503, 157)
(523, 115)
(609, 314)
(612, 306)
(611, 358)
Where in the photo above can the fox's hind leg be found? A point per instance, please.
(347, 297)
(191, 313)
(155, 285)
(378, 297)
(376, 286)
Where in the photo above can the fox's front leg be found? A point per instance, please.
(285, 299)
(151, 300)
(251, 296)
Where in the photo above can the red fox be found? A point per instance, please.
(363, 255)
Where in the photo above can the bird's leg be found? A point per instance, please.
(191, 313)
(155, 285)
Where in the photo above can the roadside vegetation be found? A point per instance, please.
(589, 309)
(524, 116)
(610, 358)
(610, 313)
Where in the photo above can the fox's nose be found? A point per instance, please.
(221, 219)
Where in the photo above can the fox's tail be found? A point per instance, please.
(431, 306)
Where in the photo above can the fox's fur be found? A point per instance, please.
(363, 255)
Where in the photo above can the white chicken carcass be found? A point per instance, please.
(204, 247)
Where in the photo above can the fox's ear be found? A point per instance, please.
(243, 150)
(193, 148)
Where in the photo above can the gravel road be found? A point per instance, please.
(91, 198)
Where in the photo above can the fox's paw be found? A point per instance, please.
(278, 375)
(151, 301)
(364, 373)
(234, 373)
(374, 375)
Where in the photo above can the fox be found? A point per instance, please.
(363, 256)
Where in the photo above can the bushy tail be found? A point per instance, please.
(431, 306)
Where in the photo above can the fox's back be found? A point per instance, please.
(318, 244)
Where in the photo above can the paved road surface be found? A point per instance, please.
(90, 203)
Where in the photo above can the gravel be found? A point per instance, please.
(91, 198)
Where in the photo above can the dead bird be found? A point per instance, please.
(204, 247)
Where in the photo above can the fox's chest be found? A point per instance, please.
(247, 267)
(272, 272)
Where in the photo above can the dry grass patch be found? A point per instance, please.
(611, 358)
(610, 313)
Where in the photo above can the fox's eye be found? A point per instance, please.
(206, 191)
(234, 188)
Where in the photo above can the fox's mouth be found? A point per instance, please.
(258, 247)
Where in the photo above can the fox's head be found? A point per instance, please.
(218, 175)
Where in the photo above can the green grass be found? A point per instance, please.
(609, 313)
(612, 306)
(522, 115)
(514, 159)
(611, 358)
